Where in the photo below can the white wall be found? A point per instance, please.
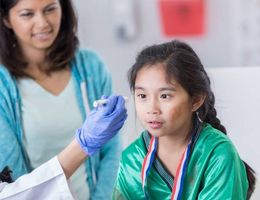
(97, 31)
(222, 45)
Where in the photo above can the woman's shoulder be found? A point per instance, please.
(4, 74)
(87, 61)
(6, 80)
(86, 55)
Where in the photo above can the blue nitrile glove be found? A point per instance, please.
(102, 124)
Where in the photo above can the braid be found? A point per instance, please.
(208, 113)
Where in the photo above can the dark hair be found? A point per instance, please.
(183, 64)
(58, 55)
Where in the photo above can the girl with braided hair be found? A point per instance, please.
(184, 152)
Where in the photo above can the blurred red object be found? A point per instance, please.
(182, 17)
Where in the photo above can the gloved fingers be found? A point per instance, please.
(124, 117)
(104, 97)
(118, 121)
(119, 107)
(113, 103)
(121, 115)
(113, 124)
(120, 102)
(118, 125)
(98, 104)
(110, 105)
(118, 112)
(117, 116)
(122, 120)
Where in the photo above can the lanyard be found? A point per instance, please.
(148, 160)
(181, 170)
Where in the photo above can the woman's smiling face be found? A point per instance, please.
(35, 23)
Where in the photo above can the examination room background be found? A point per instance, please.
(228, 45)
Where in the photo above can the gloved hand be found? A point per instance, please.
(102, 124)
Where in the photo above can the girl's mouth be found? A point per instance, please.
(155, 124)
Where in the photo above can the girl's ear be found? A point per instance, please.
(197, 101)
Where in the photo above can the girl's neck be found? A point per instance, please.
(169, 145)
(175, 142)
(171, 148)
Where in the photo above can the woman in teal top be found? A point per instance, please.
(38, 42)
(184, 152)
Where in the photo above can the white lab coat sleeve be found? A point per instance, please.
(46, 182)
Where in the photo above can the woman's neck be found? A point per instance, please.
(36, 61)
(34, 57)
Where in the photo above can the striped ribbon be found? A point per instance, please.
(181, 170)
(148, 160)
(180, 174)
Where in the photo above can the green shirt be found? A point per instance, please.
(214, 171)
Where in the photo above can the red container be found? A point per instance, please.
(182, 17)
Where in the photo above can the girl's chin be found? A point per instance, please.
(155, 133)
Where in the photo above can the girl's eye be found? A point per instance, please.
(165, 96)
(141, 96)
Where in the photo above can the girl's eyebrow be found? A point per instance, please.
(138, 88)
(172, 89)
(167, 89)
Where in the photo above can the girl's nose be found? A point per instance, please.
(153, 107)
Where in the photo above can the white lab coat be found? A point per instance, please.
(47, 182)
